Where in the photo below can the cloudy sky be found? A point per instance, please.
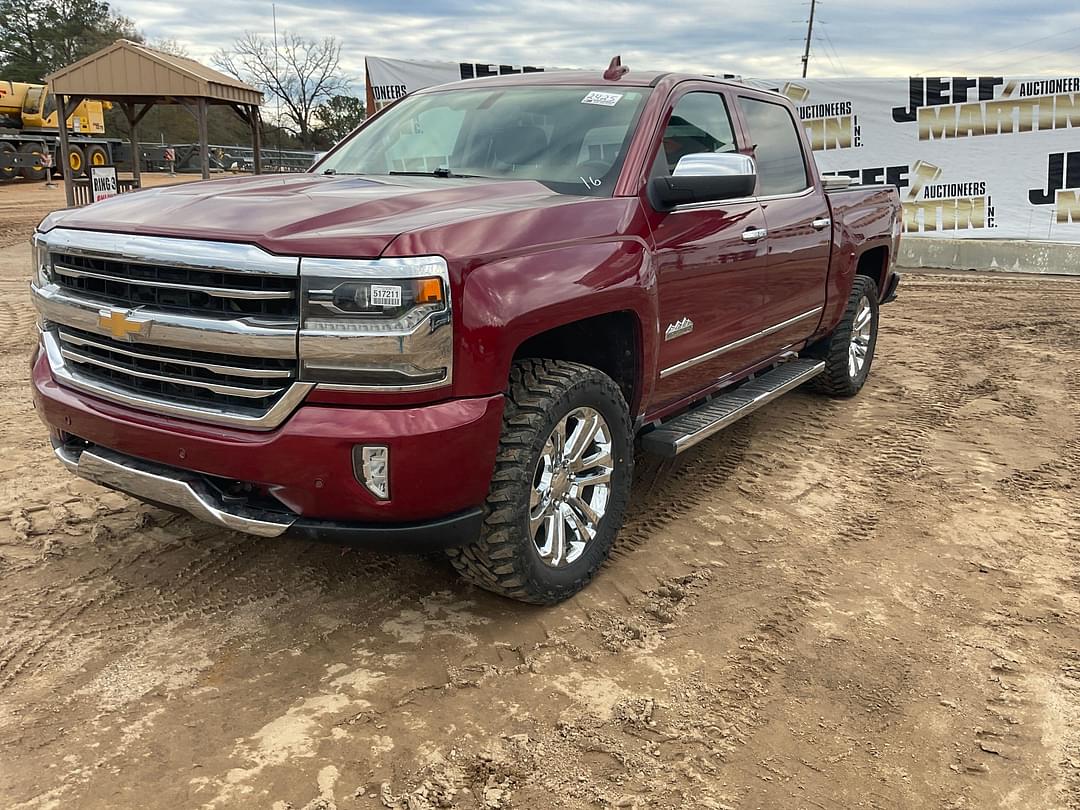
(751, 37)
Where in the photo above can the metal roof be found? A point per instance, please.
(128, 70)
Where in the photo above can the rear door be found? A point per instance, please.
(710, 258)
(797, 219)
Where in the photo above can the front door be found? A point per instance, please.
(710, 261)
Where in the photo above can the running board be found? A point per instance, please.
(686, 430)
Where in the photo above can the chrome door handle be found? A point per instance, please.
(821, 224)
(753, 234)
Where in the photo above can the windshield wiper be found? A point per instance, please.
(441, 172)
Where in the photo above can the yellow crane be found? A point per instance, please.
(29, 129)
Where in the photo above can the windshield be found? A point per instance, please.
(571, 139)
(32, 100)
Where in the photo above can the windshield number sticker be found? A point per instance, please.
(602, 99)
(383, 296)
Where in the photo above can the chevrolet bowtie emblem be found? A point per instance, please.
(123, 323)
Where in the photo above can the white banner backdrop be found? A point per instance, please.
(982, 157)
(390, 79)
(973, 157)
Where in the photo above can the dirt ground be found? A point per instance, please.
(869, 603)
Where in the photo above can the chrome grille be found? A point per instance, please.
(201, 379)
(176, 289)
(215, 324)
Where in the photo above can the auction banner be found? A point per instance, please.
(973, 156)
(390, 79)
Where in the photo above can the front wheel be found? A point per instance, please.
(7, 170)
(560, 487)
(849, 351)
(76, 161)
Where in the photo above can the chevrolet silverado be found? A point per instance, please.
(452, 331)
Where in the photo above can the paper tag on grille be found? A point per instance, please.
(385, 296)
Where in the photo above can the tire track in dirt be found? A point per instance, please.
(1059, 473)
(764, 657)
(99, 591)
(20, 320)
(735, 699)
(232, 572)
(1066, 479)
(666, 489)
(25, 645)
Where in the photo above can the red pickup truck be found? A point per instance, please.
(452, 330)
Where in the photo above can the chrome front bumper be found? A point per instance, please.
(169, 487)
(190, 492)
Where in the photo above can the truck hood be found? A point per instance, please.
(308, 214)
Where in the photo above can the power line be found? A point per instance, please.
(1006, 50)
(1029, 59)
(828, 57)
(828, 39)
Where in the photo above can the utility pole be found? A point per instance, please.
(277, 75)
(809, 34)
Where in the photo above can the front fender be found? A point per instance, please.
(505, 302)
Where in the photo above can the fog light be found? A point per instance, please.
(371, 465)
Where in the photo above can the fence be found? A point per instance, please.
(224, 158)
(84, 192)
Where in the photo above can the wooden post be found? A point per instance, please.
(256, 137)
(133, 124)
(133, 138)
(65, 167)
(204, 140)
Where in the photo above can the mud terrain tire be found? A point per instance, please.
(856, 333)
(506, 559)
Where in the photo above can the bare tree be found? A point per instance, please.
(299, 72)
(170, 46)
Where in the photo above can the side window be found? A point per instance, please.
(699, 123)
(780, 164)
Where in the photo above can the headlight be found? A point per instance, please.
(41, 269)
(379, 324)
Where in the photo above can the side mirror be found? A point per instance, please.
(705, 177)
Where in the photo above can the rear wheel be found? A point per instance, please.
(560, 486)
(96, 155)
(76, 161)
(35, 153)
(849, 351)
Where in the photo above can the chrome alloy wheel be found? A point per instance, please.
(571, 487)
(860, 337)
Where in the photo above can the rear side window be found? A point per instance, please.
(779, 156)
(699, 123)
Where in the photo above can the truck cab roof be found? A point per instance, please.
(634, 78)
